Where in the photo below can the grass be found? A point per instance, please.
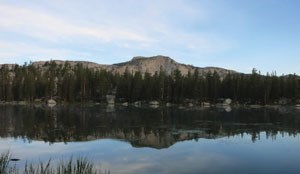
(78, 166)
(5, 167)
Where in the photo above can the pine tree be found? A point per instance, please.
(136, 87)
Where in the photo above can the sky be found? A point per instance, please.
(234, 34)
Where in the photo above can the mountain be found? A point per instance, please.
(77, 81)
(156, 63)
(146, 64)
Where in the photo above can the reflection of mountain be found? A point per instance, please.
(140, 127)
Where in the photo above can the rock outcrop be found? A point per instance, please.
(158, 63)
(142, 64)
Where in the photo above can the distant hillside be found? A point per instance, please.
(78, 81)
(156, 63)
(143, 64)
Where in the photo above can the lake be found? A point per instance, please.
(161, 140)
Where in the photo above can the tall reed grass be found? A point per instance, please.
(77, 166)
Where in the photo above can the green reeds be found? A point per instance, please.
(5, 167)
(78, 166)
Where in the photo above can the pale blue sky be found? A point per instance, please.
(234, 34)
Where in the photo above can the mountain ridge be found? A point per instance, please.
(142, 64)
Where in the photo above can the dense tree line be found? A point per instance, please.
(80, 123)
(78, 83)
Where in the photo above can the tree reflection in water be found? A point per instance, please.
(142, 127)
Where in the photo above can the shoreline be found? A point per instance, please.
(146, 104)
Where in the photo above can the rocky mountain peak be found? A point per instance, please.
(143, 64)
(156, 58)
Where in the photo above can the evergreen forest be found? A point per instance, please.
(77, 83)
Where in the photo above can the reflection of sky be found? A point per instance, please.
(225, 155)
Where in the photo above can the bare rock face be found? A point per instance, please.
(153, 103)
(110, 99)
(227, 101)
(163, 63)
(148, 64)
(51, 103)
(168, 104)
(8, 66)
(90, 65)
(142, 64)
(205, 104)
(137, 104)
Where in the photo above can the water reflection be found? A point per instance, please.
(142, 127)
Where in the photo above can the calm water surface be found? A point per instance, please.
(145, 140)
